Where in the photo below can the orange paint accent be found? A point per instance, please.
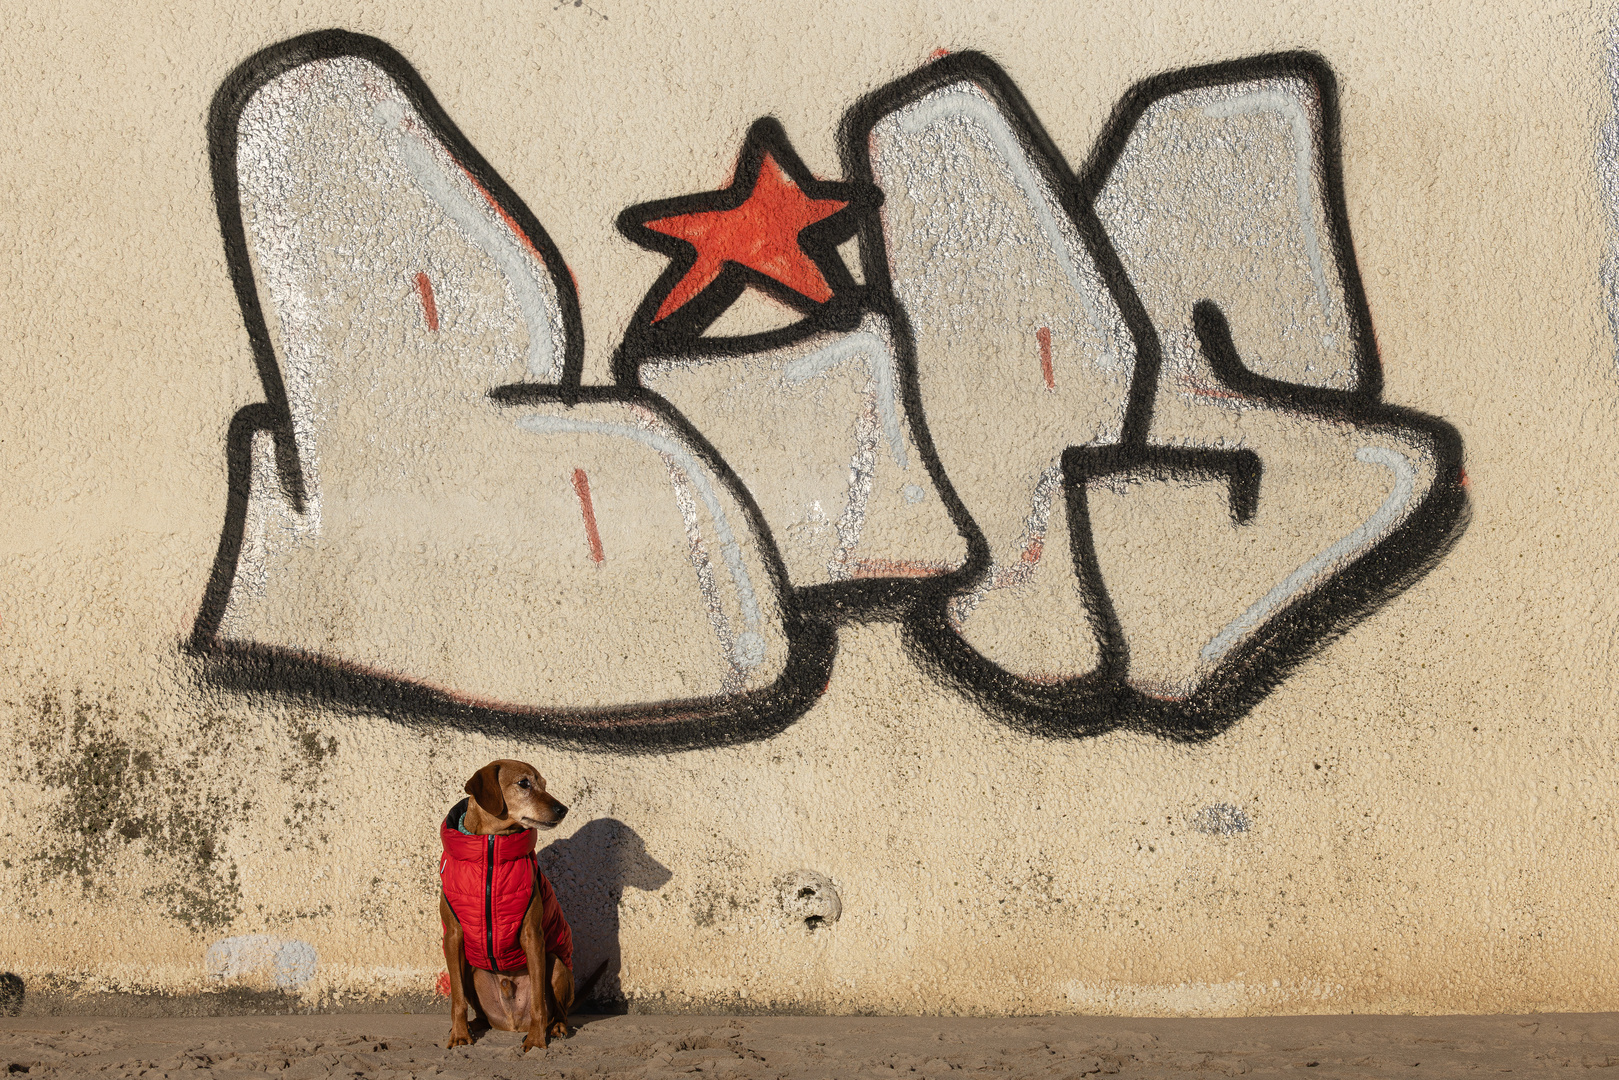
(1043, 336)
(511, 222)
(761, 234)
(442, 987)
(1462, 479)
(581, 486)
(938, 54)
(1032, 553)
(424, 286)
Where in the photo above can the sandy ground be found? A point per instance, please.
(390, 1046)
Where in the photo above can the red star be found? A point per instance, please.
(761, 234)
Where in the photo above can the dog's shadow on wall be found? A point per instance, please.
(590, 871)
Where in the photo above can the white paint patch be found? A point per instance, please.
(814, 426)
(288, 961)
(749, 651)
(1608, 174)
(967, 104)
(1030, 548)
(697, 550)
(1365, 535)
(496, 241)
(1293, 113)
(271, 526)
(879, 361)
(1221, 819)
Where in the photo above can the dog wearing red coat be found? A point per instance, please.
(506, 941)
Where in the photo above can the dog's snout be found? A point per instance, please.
(559, 810)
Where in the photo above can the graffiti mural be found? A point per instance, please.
(1109, 444)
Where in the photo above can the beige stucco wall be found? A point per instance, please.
(1430, 798)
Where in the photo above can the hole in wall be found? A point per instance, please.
(808, 899)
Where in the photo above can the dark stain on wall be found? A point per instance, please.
(116, 795)
(125, 791)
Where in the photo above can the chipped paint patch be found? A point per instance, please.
(1221, 819)
(288, 962)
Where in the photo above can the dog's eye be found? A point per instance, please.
(524, 784)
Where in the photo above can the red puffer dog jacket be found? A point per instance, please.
(488, 881)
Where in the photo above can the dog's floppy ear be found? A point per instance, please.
(484, 787)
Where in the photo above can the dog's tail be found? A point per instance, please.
(583, 993)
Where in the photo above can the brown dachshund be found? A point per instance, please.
(507, 798)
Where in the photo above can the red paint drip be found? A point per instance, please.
(581, 485)
(938, 54)
(1462, 478)
(1043, 336)
(424, 286)
(442, 987)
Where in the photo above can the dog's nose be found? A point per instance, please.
(559, 810)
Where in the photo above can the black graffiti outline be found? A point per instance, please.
(1101, 701)
(681, 331)
(300, 676)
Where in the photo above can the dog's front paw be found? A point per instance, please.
(560, 1030)
(459, 1036)
(536, 1040)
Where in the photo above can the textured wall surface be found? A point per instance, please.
(1140, 542)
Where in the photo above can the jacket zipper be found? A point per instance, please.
(489, 902)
